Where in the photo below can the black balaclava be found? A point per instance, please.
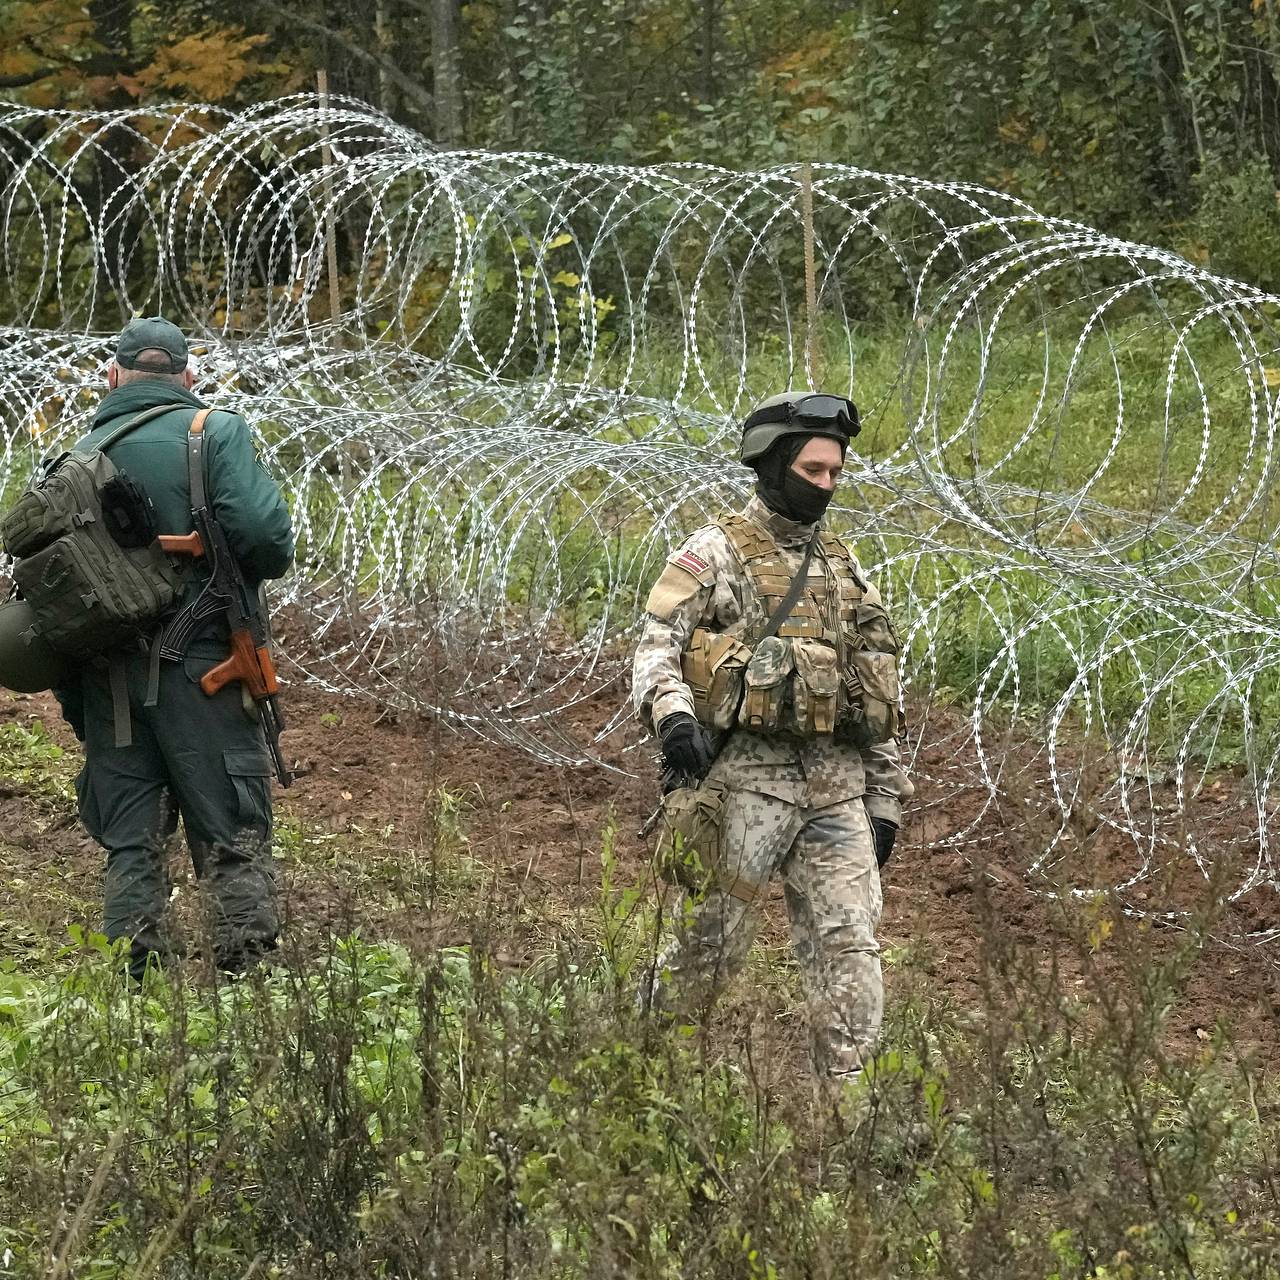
(786, 491)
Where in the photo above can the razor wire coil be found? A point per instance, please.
(530, 392)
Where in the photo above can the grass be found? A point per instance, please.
(32, 761)
(388, 867)
(368, 1108)
(376, 1112)
(917, 387)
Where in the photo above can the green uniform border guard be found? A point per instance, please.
(181, 754)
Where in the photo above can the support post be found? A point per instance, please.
(810, 277)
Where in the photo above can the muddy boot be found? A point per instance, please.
(853, 1115)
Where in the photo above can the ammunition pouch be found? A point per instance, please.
(766, 683)
(794, 686)
(689, 851)
(712, 666)
(870, 714)
(815, 688)
(803, 677)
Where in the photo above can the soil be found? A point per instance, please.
(532, 836)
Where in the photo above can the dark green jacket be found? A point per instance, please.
(245, 500)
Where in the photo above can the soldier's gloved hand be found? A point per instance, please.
(686, 748)
(883, 833)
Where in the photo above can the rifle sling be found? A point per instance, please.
(195, 460)
(177, 634)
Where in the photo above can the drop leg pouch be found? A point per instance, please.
(689, 852)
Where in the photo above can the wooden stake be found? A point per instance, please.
(330, 232)
(345, 471)
(810, 277)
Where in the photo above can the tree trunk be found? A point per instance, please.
(707, 86)
(446, 72)
(382, 28)
(1191, 91)
(107, 198)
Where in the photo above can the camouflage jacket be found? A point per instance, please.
(704, 584)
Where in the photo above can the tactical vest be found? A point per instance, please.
(831, 666)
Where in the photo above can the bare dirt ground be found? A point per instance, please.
(368, 824)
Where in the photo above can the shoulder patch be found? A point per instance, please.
(674, 586)
(692, 563)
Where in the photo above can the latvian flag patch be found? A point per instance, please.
(695, 564)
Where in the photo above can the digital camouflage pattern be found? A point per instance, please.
(827, 860)
(798, 807)
(704, 585)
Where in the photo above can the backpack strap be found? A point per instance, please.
(117, 672)
(145, 416)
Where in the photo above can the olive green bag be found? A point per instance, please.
(87, 559)
(688, 851)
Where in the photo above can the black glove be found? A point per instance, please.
(685, 747)
(883, 834)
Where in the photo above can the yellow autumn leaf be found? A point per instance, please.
(210, 66)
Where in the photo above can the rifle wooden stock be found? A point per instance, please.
(182, 544)
(251, 666)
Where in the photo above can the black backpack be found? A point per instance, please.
(83, 539)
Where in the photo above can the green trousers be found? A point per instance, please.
(192, 756)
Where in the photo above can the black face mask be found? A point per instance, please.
(786, 491)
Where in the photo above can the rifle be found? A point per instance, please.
(226, 593)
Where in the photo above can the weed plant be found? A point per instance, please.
(369, 1110)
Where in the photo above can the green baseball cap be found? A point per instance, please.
(152, 334)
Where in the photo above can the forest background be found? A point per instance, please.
(444, 1073)
(1155, 121)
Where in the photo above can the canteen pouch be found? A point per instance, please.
(765, 685)
(872, 713)
(814, 688)
(712, 666)
(689, 849)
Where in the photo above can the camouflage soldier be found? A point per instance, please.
(767, 669)
(156, 747)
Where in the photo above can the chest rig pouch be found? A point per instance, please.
(825, 663)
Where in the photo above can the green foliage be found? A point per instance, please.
(311, 1118)
(315, 1116)
(1236, 225)
(31, 759)
(1159, 121)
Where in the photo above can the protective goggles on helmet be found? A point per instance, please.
(818, 410)
(816, 414)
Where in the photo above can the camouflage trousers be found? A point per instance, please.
(832, 886)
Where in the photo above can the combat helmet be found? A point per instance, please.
(810, 413)
(27, 662)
